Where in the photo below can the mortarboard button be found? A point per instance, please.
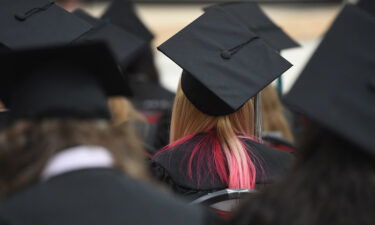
(20, 17)
(225, 54)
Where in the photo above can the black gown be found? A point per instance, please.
(170, 166)
(101, 196)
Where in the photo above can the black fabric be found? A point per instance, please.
(251, 14)
(278, 142)
(124, 45)
(149, 96)
(337, 87)
(226, 58)
(171, 166)
(367, 5)
(122, 13)
(4, 119)
(46, 27)
(96, 197)
(69, 82)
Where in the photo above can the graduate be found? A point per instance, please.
(149, 96)
(213, 142)
(333, 182)
(273, 116)
(61, 162)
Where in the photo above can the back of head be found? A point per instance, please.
(187, 119)
(224, 132)
(331, 184)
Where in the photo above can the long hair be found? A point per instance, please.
(273, 114)
(332, 183)
(26, 147)
(229, 155)
(123, 111)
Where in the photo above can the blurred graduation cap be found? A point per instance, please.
(122, 14)
(337, 87)
(253, 16)
(224, 62)
(60, 82)
(368, 5)
(33, 23)
(124, 45)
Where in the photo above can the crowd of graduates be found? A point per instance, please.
(89, 136)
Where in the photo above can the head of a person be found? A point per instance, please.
(188, 120)
(225, 130)
(59, 104)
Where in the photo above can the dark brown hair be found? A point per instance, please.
(332, 183)
(26, 147)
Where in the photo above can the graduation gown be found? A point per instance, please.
(170, 167)
(95, 196)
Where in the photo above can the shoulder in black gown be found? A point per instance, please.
(170, 167)
(95, 197)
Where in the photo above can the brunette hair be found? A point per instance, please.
(332, 183)
(26, 147)
(227, 152)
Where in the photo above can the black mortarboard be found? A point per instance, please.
(225, 64)
(253, 16)
(30, 23)
(368, 5)
(124, 45)
(60, 82)
(122, 14)
(337, 87)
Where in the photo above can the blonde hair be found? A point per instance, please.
(273, 115)
(188, 120)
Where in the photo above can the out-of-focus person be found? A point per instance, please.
(124, 114)
(61, 160)
(333, 181)
(276, 130)
(150, 97)
(212, 145)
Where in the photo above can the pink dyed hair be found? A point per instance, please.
(221, 148)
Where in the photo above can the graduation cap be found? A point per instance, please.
(27, 23)
(337, 87)
(253, 16)
(224, 63)
(368, 5)
(122, 14)
(60, 82)
(124, 45)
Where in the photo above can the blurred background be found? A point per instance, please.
(304, 20)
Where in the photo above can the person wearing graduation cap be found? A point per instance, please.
(273, 114)
(61, 162)
(333, 182)
(43, 23)
(213, 143)
(149, 95)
